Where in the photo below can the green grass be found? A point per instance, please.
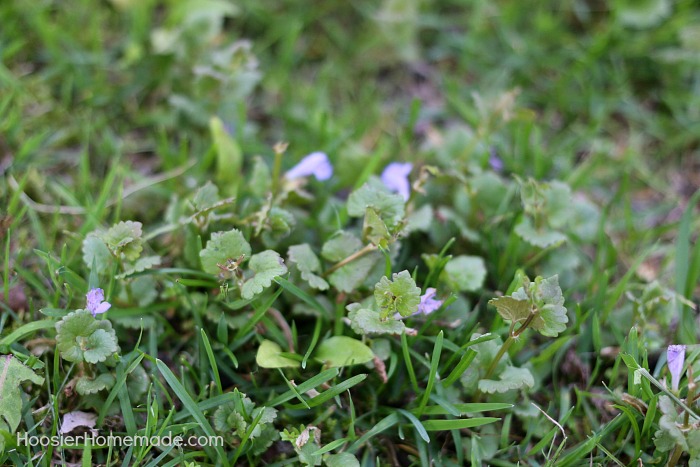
(106, 115)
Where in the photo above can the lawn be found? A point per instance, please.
(349, 233)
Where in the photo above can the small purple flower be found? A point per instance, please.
(495, 162)
(395, 178)
(428, 304)
(675, 356)
(96, 302)
(316, 164)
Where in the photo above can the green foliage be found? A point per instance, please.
(82, 338)
(544, 138)
(398, 295)
(306, 443)
(540, 304)
(464, 273)
(124, 240)
(341, 351)
(350, 276)
(369, 321)
(224, 253)
(268, 356)
(86, 385)
(510, 378)
(265, 266)
(389, 207)
(308, 264)
(12, 375)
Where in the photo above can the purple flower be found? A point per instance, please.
(675, 357)
(96, 302)
(428, 304)
(395, 178)
(494, 161)
(316, 164)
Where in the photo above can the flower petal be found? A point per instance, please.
(102, 308)
(428, 304)
(395, 178)
(94, 298)
(316, 164)
(675, 355)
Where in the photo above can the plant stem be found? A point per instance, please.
(512, 336)
(504, 348)
(358, 254)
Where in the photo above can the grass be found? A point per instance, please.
(106, 115)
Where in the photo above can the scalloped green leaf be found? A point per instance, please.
(389, 206)
(222, 249)
(12, 374)
(367, 321)
(398, 295)
(340, 246)
(338, 351)
(125, 239)
(95, 250)
(375, 230)
(268, 356)
(552, 317)
(464, 273)
(206, 196)
(81, 337)
(511, 378)
(266, 266)
(512, 309)
(351, 276)
(308, 264)
(142, 264)
(542, 237)
(86, 385)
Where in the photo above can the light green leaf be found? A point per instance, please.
(366, 321)
(95, 250)
(12, 374)
(344, 459)
(420, 220)
(511, 378)
(542, 238)
(308, 263)
(81, 337)
(142, 264)
(552, 318)
(389, 206)
(375, 230)
(511, 309)
(260, 178)
(206, 197)
(398, 295)
(266, 265)
(229, 157)
(125, 239)
(351, 276)
(464, 273)
(86, 385)
(642, 13)
(340, 351)
(268, 356)
(222, 250)
(340, 246)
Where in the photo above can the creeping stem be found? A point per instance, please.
(512, 336)
(358, 254)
